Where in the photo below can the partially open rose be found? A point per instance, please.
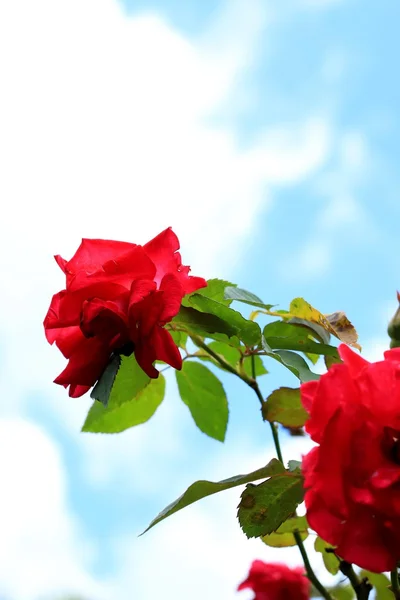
(276, 581)
(118, 298)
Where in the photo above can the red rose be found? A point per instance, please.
(352, 478)
(275, 581)
(118, 298)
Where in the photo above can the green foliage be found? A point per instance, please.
(283, 536)
(294, 466)
(317, 331)
(314, 358)
(120, 415)
(205, 397)
(264, 507)
(342, 592)
(290, 336)
(247, 331)
(292, 361)
(284, 406)
(195, 322)
(330, 559)
(338, 592)
(180, 338)
(229, 353)
(331, 360)
(131, 379)
(202, 489)
(381, 584)
(215, 290)
(103, 387)
(258, 366)
(234, 357)
(235, 293)
(134, 398)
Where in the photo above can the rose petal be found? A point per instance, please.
(86, 364)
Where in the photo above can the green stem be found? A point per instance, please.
(309, 570)
(253, 367)
(394, 578)
(252, 382)
(224, 363)
(254, 385)
(361, 588)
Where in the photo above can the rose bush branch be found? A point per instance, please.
(252, 383)
(310, 573)
(309, 570)
(395, 587)
(361, 587)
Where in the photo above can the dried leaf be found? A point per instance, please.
(336, 323)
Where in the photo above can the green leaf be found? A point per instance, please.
(331, 360)
(232, 356)
(292, 361)
(235, 293)
(283, 536)
(195, 322)
(215, 290)
(131, 379)
(229, 353)
(102, 389)
(330, 559)
(205, 397)
(294, 466)
(381, 584)
(316, 330)
(247, 331)
(297, 365)
(264, 507)
(288, 336)
(340, 592)
(259, 366)
(202, 489)
(314, 358)
(284, 406)
(180, 338)
(119, 416)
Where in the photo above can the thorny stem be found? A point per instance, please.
(394, 578)
(309, 570)
(361, 587)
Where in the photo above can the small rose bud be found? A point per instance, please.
(394, 327)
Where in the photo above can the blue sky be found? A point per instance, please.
(267, 135)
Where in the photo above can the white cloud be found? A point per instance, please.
(41, 549)
(106, 132)
(197, 551)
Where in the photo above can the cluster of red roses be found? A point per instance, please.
(275, 581)
(352, 478)
(117, 300)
